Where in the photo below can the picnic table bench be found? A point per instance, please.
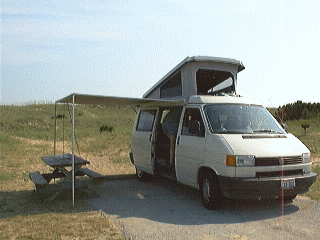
(92, 174)
(62, 170)
(38, 179)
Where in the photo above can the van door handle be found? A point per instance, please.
(150, 137)
(178, 141)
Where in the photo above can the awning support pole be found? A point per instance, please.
(73, 101)
(55, 129)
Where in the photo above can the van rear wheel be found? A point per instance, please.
(210, 191)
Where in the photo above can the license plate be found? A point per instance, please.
(288, 183)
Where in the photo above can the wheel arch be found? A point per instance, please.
(210, 189)
(204, 170)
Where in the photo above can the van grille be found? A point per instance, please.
(277, 161)
(279, 173)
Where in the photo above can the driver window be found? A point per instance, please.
(193, 119)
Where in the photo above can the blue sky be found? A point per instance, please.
(122, 47)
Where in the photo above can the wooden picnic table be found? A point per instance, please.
(60, 164)
(62, 169)
(64, 160)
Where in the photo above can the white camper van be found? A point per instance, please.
(208, 137)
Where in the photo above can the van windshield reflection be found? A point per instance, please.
(241, 119)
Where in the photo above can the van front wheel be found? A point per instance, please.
(210, 192)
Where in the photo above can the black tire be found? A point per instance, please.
(210, 191)
(142, 176)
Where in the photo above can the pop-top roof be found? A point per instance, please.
(213, 60)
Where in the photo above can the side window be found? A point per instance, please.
(146, 120)
(210, 82)
(172, 87)
(170, 120)
(193, 123)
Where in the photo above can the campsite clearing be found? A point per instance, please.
(27, 134)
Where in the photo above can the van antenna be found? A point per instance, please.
(134, 110)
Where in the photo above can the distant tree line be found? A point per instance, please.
(297, 110)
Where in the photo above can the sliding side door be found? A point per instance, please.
(143, 140)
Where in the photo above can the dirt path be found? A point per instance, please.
(161, 209)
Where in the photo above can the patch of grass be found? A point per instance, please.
(7, 176)
(312, 137)
(27, 121)
(312, 140)
(314, 192)
(48, 226)
(28, 218)
(26, 135)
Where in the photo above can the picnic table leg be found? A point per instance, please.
(67, 173)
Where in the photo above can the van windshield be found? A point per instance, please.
(241, 119)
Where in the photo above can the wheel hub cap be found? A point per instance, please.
(206, 190)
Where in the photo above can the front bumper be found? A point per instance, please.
(250, 188)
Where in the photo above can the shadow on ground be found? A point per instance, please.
(30, 202)
(169, 202)
(158, 200)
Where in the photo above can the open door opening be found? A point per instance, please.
(166, 135)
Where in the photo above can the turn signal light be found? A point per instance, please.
(231, 160)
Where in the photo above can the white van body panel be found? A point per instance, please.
(142, 151)
(142, 147)
(266, 145)
(189, 156)
(215, 155)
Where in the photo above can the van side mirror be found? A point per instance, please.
(194, 128)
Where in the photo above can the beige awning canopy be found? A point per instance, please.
(76, 98)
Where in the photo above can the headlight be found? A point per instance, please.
(240, 161)
(306, 157)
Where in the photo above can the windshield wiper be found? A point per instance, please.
(231, 132)
(266, 131)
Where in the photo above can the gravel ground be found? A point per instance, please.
(161, 209)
